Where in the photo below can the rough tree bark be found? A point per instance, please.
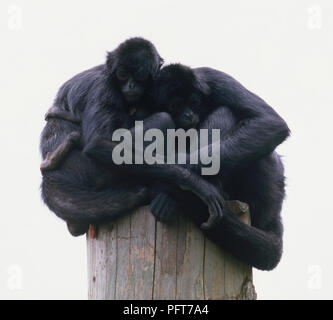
(140, 258)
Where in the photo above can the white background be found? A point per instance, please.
(281, 50)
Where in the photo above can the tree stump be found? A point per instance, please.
(139, 258)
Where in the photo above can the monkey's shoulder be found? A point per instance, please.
(72, 95)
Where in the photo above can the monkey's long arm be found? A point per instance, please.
(261, 129)
(53, 159)
(257, 247)
(101, 150)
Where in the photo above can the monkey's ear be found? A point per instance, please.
(157, 66)
(201, 85)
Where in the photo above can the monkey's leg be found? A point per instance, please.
(53, 159)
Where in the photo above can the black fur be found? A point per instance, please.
(250, 169)
(81, 191)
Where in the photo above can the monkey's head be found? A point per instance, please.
(132, 67)
(179, 91)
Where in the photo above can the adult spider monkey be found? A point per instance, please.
(104, 98)
(251, 171)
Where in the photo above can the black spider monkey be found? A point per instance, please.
(251, 171)
(104, 98)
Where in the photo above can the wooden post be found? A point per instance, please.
(140, 258)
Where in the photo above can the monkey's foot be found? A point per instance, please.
(77, 229)
(92, 231)
(164, 208)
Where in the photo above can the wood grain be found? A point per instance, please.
(140, 258)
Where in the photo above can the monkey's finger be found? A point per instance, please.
(212, 217)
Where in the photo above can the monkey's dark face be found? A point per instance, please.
(185, 110)
(131, 68)
(180, 91)
(132, 83)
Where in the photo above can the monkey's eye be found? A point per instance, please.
(122, 75)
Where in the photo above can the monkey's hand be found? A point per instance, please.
(164, 208)
(209, 194)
